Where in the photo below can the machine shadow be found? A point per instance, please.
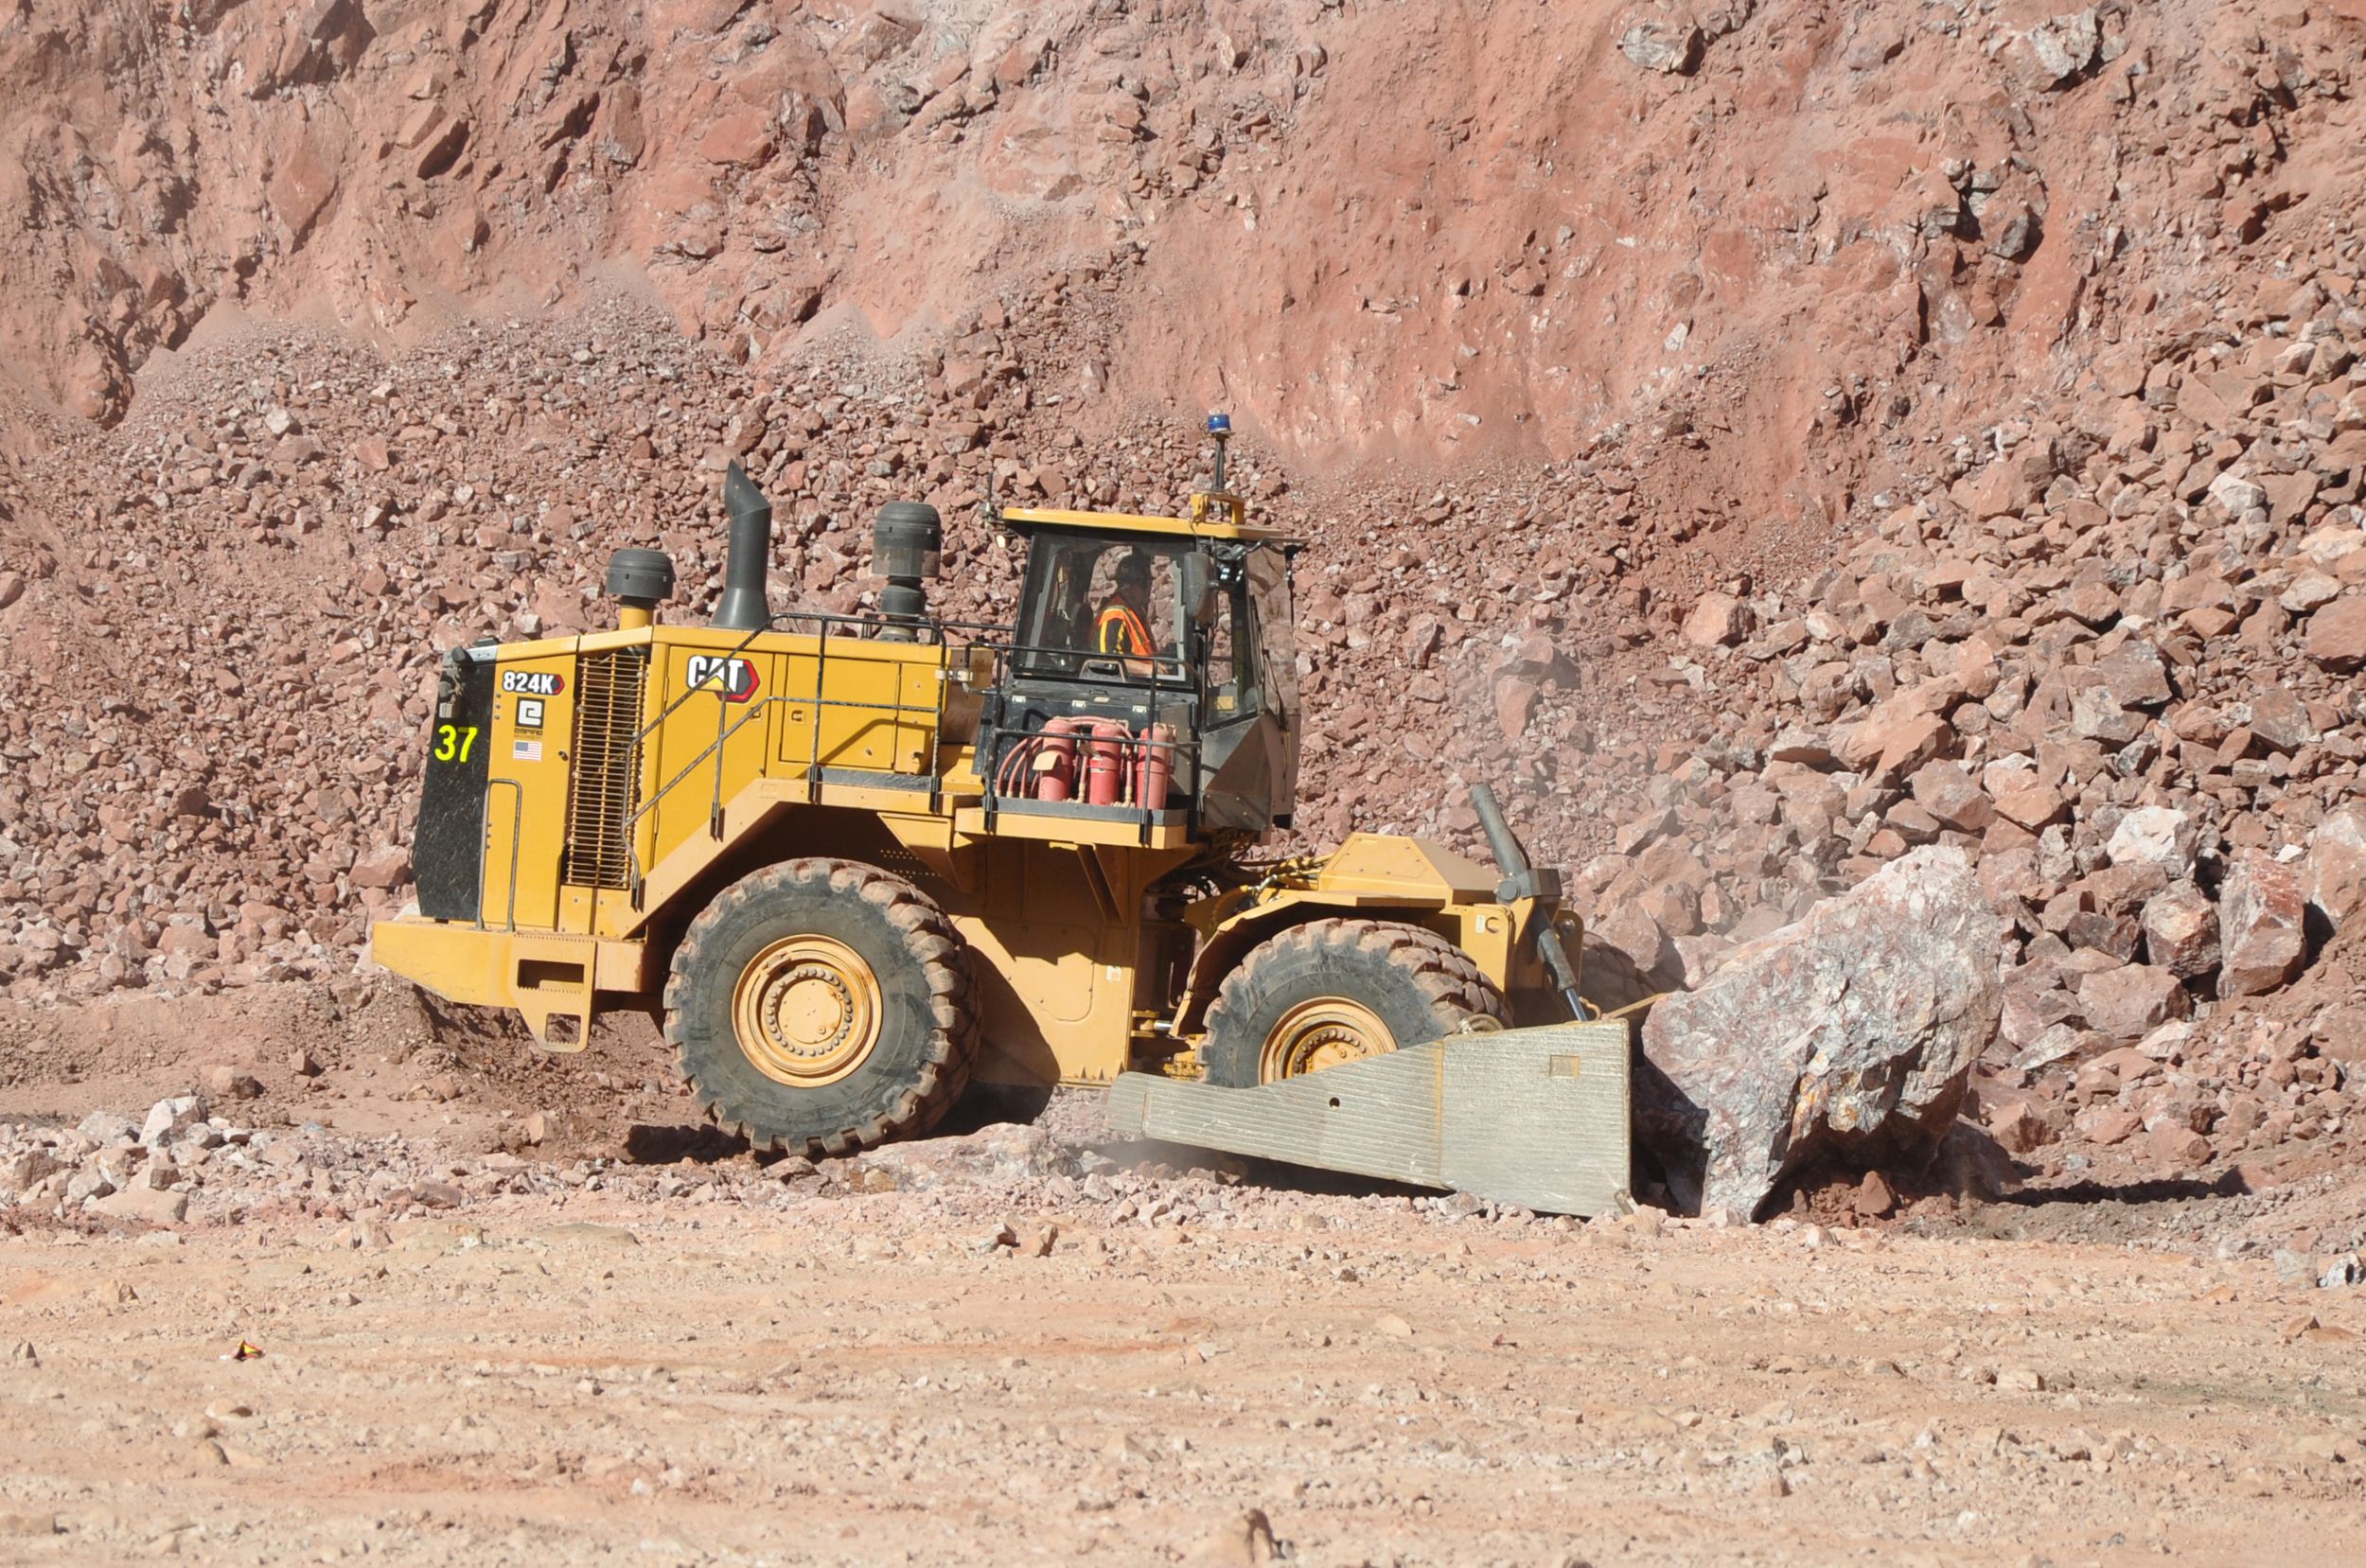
(653, 1143)
(1263, 1175)
(2229, 1183)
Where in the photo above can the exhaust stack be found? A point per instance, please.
(746, 605)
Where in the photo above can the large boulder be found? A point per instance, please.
(1850, 1033)
(2182, 930)
(2128, 1001)
(2261, 925)
(2337, 868)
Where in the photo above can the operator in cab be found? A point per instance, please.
(1122, 629)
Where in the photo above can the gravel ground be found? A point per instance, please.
(1003, 1348)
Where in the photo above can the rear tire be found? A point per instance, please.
(1334, 991)
(821, 1007)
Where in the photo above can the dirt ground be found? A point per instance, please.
(727, 1362)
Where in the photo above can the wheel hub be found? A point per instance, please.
(1321, 1033)
(806, 1010)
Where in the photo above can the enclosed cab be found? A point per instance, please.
(1176, 632)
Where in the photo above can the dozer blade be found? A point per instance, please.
(1532, 1117)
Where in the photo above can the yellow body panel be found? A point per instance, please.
(1055, 946)
(1383, 866)
(527, 770)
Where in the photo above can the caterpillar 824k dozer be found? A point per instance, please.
(857, 861)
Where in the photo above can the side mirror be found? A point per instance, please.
(1199, 589)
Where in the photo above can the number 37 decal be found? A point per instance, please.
(455, 740)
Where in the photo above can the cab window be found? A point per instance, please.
(1079, 584)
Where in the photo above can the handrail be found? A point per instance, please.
(517, 829)
(1000, 638)
(932, 723)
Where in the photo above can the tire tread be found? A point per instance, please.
(1448, 980)
(928, 935)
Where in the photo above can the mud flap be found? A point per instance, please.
(1532, 1117)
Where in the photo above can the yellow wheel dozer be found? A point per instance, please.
(860, 861)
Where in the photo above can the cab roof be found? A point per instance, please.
(1214, 517)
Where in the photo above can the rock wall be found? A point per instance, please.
(1761, 441)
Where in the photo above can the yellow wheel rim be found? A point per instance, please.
(1322, 1033)
(806, 1010)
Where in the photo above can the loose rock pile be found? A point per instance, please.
(181, 1166)
(2112, 662)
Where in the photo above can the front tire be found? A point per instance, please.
(821, 1007)
(1335, 991)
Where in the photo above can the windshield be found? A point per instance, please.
(1098, 606)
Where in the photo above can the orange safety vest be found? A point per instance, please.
(1121, 631)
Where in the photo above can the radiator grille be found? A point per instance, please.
(605, 787)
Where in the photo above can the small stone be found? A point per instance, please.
(21, 1174)
(2059, 51)
(2182, 931)
(2236, 493)
(227, 1082)
(2281, 720)
(384, 869)
(2096, 714)
(1669, 46)
(2180, 1148)
(2136, 677)
(2337, 866)
(2129, 1000)
(2111, 1126)
(2161, 834)
(1951, 793)
(2017, 1128)
(2337, 634)
(2032, 806)
(168, 1117)
(1718, 620)
(1244, 1541)
(145, 1204)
